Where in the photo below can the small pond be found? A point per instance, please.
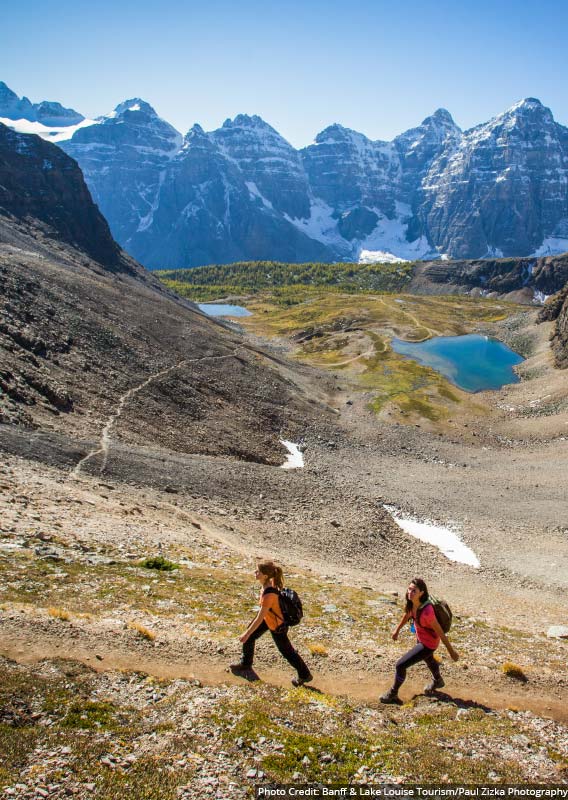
(472, 362)
(224, 310)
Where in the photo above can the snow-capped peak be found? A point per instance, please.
(527, 104)
(444, 115)
(196, 137)
(441, 118)
(133, 105)
(338, 133)
(246, 121)
(529, 108)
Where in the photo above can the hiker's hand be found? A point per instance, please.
(454, 654)
(394, 636)
(243, 638)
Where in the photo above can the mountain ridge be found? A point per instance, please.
(495, 190)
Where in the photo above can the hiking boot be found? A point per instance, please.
(391, 698)
(239, 669)
(434, 685)
(300, 681)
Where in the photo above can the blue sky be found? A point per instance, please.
(378, 67)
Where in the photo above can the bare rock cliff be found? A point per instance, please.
(557, 309)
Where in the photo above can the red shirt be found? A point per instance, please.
(424, 632)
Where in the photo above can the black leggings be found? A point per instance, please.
(418, 653)
(282, 643)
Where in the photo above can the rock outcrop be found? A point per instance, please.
(556, 308)
(541, 277)
(39, 182)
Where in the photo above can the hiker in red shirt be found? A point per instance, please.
(420, 610)
(270, 618)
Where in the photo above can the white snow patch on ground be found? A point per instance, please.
(552, 246)
(59, 134)
(295, 459)
(441, 537)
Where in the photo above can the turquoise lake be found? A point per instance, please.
(472, 362)
(224, 310)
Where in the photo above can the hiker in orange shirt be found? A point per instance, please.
(270, 618)
(428, 631)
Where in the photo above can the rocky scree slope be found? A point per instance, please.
(86, 335)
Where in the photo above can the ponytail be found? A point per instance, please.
(272, 571)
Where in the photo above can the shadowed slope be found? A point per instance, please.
(89, 342)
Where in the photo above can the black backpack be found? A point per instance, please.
(442, 611)
(290, 605)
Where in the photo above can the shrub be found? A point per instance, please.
(160, 563)
(142, 631)
(513, 671)
(317, 649)
(59, 613)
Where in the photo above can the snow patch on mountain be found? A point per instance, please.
(147, 219)
(386, 243)
(379, 257)
(56, 134)
(551, 246)
(322, 226)
(254, 192)
(540, 297)
(389, 236)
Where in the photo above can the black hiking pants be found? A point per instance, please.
(282, 643)
(418, 653)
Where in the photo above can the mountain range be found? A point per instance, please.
(242, 192)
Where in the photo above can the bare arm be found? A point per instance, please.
(257, 621)
(436, 627)
(401, 625)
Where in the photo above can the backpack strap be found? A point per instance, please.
(421, 608)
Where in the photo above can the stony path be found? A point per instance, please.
(358, 686)
(106, 438)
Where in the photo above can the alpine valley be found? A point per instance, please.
(242, 192)
(145, 452)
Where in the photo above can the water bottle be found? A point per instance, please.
(412, 626)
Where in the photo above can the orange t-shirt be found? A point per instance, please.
(269, 601)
